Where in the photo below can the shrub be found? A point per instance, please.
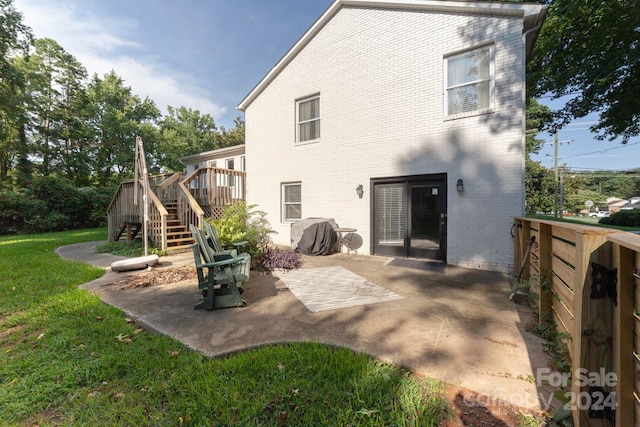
(71, 206)
(628, 218)
(100, 198)
(52, 204)
(273, 259)
(240, 222)
(20, 212)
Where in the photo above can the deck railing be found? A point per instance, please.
(593, 275)
(204, 193)
(215, 188)
(167, 190)
(122, 210)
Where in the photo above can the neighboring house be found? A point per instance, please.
(615, 203)
(418, 103)
(632, 203)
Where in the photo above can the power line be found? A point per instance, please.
(603, 151)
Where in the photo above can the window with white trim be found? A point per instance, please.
(291, 201)
(469, 81)
(308, 119)
(230, 178)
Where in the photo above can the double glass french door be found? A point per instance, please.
(410, 217)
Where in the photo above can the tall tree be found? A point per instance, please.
(117, 117)
(58, 110)
(184, 132)
(14, 41)
(590, 50)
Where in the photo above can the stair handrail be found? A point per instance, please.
(158, 216)
(167, 189)
(189, 210)
(121, 206)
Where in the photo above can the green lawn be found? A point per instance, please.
(582, 220)
(66, 358)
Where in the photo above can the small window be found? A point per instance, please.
(291, 202)
(308, 119)
(230, 178)
(469, 81)
(243, 164)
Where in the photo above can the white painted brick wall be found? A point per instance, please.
(381, 81)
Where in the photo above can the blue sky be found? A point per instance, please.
(208, 54)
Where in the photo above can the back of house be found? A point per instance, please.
(418, 103)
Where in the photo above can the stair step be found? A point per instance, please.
(173, 236)
(179, 248)
(181, 240)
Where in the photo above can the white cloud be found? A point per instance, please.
(103, 43)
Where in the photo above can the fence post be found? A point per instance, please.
(623, 346)
(592, 326)
(544, 271)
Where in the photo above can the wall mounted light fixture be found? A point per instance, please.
(359, 190)
(460, 185)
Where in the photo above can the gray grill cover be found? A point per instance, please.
(314, 236)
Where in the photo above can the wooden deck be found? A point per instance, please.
(175, 202)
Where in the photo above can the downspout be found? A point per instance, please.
(524, 116)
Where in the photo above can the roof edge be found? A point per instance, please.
(532, 13)
(235, 149)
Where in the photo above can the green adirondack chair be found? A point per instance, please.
(220, 276)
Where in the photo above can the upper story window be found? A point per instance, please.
(308, 119)
(469, 81)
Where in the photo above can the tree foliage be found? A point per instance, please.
(590, 50)
(14, 41)
(184, 132)
(539, 185)
(56, 121)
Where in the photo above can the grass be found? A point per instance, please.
(132, 248)
(66, 358)
(582, 220)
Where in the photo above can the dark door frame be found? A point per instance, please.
(409, 180)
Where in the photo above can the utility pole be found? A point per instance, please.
(557, 208)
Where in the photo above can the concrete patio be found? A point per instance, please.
(453, 324)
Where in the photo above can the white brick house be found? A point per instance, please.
(405, 98)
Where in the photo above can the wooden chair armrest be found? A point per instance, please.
(230, 261)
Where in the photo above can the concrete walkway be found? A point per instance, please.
(454, 324)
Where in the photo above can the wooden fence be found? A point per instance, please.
(594, 278)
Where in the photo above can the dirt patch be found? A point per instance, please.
(157, 277)
(471, 409)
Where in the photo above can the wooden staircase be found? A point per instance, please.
(178, 236)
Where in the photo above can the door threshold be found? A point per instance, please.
(436, 266)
